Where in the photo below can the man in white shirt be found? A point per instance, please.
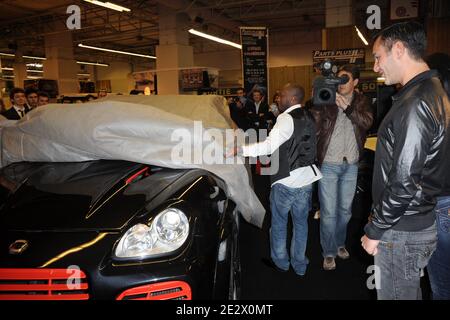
(294, 138)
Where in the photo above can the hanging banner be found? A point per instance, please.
(255, 51)
(340, 57)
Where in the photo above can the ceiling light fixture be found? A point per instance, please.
(109, 5)
(213, 38)
(7, 54)
(36, 65)
(37, 58)
(39, 71)
(117, 51)
(8, 68)
(361, 36)
(83, 74)
(34, 77)
(93, 63)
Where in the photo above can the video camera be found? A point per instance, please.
(325, 86)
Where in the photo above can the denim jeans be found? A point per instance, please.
(439, 265)
(400, 261)
(336, 192)
(282, 200)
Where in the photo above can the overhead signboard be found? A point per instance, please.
(341, 56)
(255, 45)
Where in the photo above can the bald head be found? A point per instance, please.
(292, 94)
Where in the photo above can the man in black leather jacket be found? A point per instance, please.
(408, 167)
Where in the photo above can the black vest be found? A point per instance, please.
(300, 149)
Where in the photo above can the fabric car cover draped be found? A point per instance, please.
(132, 128)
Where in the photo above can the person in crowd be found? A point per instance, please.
(257, 110)
(238, 112)
(439, 264)
(19, 106)
(274, 107)
(32, 98)
(294, 137)
(409, 163)
(43, 98)
(342, 131)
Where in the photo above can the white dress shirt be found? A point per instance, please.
(257, 104)
(281, 132)
(20, 112)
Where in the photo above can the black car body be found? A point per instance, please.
(62, 223)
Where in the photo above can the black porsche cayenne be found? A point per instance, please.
(116, 230)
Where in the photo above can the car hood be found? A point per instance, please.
(93, 195)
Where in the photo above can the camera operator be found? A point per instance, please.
(341, 130)
(238, 109)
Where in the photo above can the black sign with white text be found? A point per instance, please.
(254, 42)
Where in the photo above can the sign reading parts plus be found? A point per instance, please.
(340, 57)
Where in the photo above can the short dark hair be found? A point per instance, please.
(352, 69)
(43, 94)
(296, 91)
(257, 90)
(30, 91)
(411, 34)
(14, 91)
(240, 89)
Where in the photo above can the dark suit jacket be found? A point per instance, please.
(11, 113)
(255, 117)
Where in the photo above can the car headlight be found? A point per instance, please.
(167, 232)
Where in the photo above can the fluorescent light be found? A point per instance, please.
(93, 63)
(28, 57)
(34, 77)
(213, 38)
(108, 5)
(37, 58)
(7, 68)
(40, 71)
(116, 51)
(381, 79)
(7, 54)
(361, 36)
(83, 74)
(37, 65)
(6, 76)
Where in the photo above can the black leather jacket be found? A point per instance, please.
(408, 166)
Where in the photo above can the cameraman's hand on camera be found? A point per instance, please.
(342, 101)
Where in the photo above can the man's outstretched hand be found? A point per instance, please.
(233, 152)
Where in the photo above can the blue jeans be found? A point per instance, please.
(336, 192)
(439, 265)
(400, 261)
(282, 200)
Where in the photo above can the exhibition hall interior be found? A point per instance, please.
(224, 150)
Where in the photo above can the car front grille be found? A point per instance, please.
(43, 284)
(169, 290)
